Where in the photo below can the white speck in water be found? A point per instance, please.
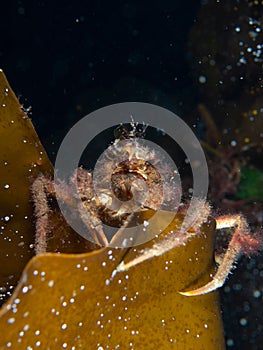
(82, 287)
(51, 283)
(125, 243)
(11, 320)
(230, 342)
(202, 79)
(113, 273)
(25, 290)
(6, 186)
(256, 293)
(243, 321)
(64, 326)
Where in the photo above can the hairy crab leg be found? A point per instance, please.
(43, 186)
(171, 241)
(119, 233)
(93, 225)
(40, 188)
(82, 183)
(241, 242)
(41, 209)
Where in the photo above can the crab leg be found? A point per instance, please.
(43, 186)
(86, 204)
(41, 210)
(173, 240)
(241, 242)
(40, 188)
(93, 225)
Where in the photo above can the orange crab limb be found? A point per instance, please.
(174, 237)
(241, 242)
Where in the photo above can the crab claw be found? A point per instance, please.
(207, 288)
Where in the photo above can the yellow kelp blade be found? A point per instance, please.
(22, 157)
(67, 301)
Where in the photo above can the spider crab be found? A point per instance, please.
(128, 182)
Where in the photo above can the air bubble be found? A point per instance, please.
(202, 79)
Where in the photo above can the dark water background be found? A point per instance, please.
(68, 58)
